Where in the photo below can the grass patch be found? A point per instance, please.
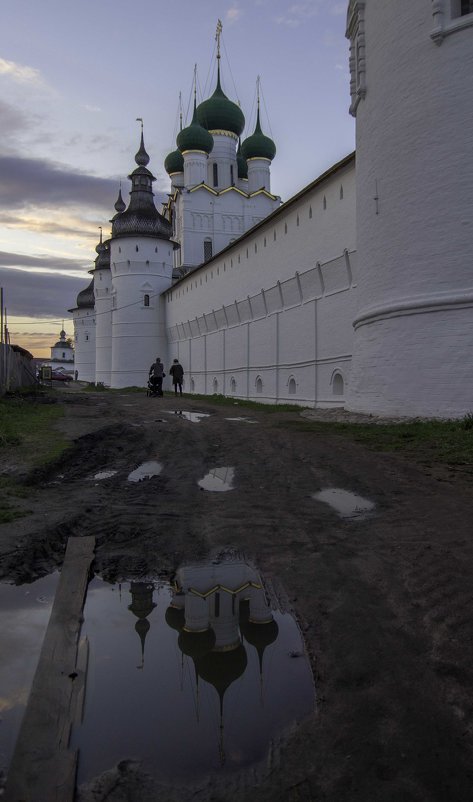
(229, 401)
(91, 387)
(27, 435)
(449, 442)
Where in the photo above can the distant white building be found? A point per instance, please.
(62, 354)
(356, 292)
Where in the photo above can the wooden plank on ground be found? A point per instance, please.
(43, 769)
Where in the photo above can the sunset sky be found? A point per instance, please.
(75, 76)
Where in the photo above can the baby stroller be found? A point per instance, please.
(153, 389)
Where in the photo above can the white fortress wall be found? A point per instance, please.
(413, 333)
(270, 318)
(84, 344)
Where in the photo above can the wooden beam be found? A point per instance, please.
(43, 769)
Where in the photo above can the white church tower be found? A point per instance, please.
(412, 95)
(103, 312)
(83, 316)
(141, 263)
(219, 190)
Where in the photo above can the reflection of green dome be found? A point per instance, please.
(175, 618)
(258, 146)
(220, 669)
(174, 163)
(194, 137)
(218, 113)
(196, 644)
(259, 635)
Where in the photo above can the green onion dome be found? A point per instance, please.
(241, 163)
(258, 146)
(174, 163)
(218, 113)
(194, 137)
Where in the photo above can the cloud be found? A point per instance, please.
(31, 182)
(69, 228)
(13, 119)
(233, 14)
(19, 72)
(298, 13)
(42, 263)
(32, 294)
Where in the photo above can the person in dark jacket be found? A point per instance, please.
(156, 374)
(177, 373)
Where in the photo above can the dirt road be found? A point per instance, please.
(384, 603)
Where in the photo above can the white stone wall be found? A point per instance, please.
(271, 317)
(141, 269)
(103, 321)
(413, 332)
(84, 344)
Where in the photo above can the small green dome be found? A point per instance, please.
(258, 146)
(174, 163)
(194, 137)
(218, 113)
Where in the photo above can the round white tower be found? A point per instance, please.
(103, 312)
(141, 266)
(412, 96)
(83, 316)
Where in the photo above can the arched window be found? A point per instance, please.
(338, 385)
(207, 249)
(63, 354)
(215, 386)
(310, 212)
(215, 174)
(325, 202)
(341, 191)
(192, 386)
(86, 336)
(291, 387)
(259, 385)
(232, 180)
(146, 300)
(233, 385)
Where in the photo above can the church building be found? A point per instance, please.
(356, 292)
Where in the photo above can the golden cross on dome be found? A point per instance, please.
(218, 33)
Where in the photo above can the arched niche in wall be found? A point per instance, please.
(233, 385)
(192, 385)
(215, 386)
(338, 383)
(291, 386)
(259, 384)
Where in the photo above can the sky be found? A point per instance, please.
(75, 76)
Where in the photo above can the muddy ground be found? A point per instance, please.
(384, 604)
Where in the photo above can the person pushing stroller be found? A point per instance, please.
(156, 376)
(177, 372)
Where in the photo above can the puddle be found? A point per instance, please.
(24, 616)
(243, 420)
(104, 474)
(190, 679)
(145, 471)
(346, 504)
(195, 417)
(218, 480)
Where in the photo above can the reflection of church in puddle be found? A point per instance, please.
(217, 607)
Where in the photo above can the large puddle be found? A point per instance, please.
(24, 616)
(345, 503)
(191, 678)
